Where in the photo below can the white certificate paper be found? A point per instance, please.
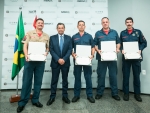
(131, 50)
(36, 51)
(108, 49)
(83, 53)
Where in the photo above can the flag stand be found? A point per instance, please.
(16, 98)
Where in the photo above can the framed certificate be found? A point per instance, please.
(131, 50)
(108, 49)
(83, 53)
(36, 51)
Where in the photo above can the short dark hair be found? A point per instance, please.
(39, 19)
(60, 24)
(81, 21)
(129, 18)
(104, 18)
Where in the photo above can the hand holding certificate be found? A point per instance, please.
(131, 50)
(108, 51)
(36, 51)
(83, 53)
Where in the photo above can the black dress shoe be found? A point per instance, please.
(20, 109)
(66, 100)
(38, 104)
(126, 97)
(75, 99)
(116, 97)
(91, 99)
(98, 96)
(50, 101)
(138, 98)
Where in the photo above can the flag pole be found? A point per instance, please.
(17, 84)
(16, 98)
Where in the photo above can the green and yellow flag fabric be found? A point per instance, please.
(18, 60)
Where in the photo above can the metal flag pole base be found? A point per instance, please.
(16, 98)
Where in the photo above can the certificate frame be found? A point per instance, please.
(131, 50)
(36, 51)
(108, 53)
(83, 55)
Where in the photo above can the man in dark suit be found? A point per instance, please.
(60, 50)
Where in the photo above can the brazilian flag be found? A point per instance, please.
(18, 60)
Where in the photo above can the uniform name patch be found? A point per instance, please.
(76, 38)
(125, 37)
(101, 37)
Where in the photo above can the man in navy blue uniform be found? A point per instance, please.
(132, 35)
(82, 38)
(106, 34)
(60, 49)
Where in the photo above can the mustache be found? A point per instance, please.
(128, 25)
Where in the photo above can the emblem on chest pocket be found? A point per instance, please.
(133, 34)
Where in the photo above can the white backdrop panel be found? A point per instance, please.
(65, 3)
(51, 13)
(68, 12)
(31, 3)
(9, 35)
(13, 2)
(80, 12)
(82, 3)
(99, 3)
(49, 3)
(11, 11)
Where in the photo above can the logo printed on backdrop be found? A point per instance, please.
(13, 23)
(81, 0)
(48, 0)
(9, 35)
(11, 46)
(6, 35)
(32, 11)
(13, 11)
(47, 70)
(5, 59)
(14, 0)
(98, 1)
(65, 0)
(20, 8)
(93, 23)
(99, 12)
(9, 70)
(5, 83)
(96, 24)
(85, 12)
(48, 12)
(65, 12)
(25, 23)
(48, 24)
(31, 0)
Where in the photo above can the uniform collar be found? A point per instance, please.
(133, 30)
(79, 33)
(103, 31)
